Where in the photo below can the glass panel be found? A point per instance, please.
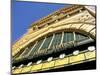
(25, 52)
(36, 47)
(80, 37)
(65, 37)
(68, 37)
(47, 42)
(56, 40)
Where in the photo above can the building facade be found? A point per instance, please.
(62, 41)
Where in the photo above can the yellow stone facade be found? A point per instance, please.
(82, 22)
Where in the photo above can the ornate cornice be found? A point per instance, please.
(64, 11)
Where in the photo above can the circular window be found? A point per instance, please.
(76, 52)
(62, 56)
(91, 48)
(29, 63)
(39, 61)
(21, 66)
(50, 59)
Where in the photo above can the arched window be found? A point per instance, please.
(53, 40)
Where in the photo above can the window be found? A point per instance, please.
(36, 47)
(91, 48)
(80, 37)
(50, 59)
(68, 37)
(39, 61)
(47, 42)
(62, 56)
(56, 40)
(76, 52)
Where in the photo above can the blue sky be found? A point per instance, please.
(25, 13)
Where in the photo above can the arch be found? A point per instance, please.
(80, 27)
